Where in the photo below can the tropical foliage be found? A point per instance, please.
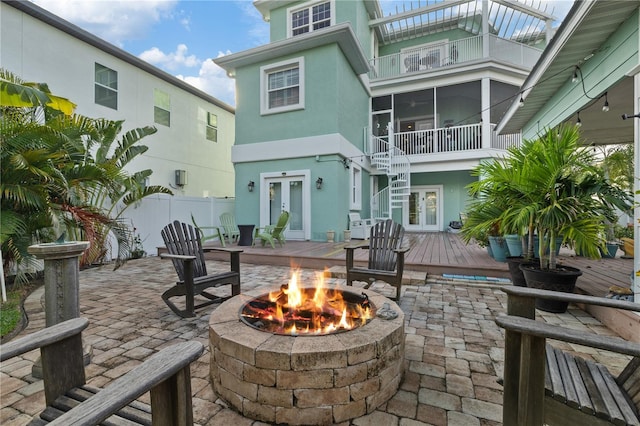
(62, 173)
(550, 187)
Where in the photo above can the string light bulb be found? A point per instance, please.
(575, 75)
(521, 103)
(578, 121)
(605, 107)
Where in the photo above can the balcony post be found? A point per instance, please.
(485, 29)
(485, 102)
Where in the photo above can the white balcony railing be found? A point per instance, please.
(452, 53)
(513, 52)
(449, 139)
(442, 140)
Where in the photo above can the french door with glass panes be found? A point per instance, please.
(285, 194)
(424, 212)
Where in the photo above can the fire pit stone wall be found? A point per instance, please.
(306, 379)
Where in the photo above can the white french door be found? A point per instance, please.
(424, 212)
(290, 194)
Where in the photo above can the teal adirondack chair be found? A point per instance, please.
(229, 227)
(273, 233)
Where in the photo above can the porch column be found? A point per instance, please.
(485, 102)
(636, 167)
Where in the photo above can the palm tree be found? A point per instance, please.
(125, 189)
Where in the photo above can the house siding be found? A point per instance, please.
(618, 57)
(31, 49)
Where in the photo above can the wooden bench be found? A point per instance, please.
(71, 402)
(545, 385)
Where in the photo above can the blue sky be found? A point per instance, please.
(182, 36)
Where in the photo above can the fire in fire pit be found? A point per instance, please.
(295, 310)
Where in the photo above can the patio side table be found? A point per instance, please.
(246, 235)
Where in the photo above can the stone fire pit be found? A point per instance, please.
(305, 379)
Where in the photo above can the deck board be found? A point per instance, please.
(442, 252)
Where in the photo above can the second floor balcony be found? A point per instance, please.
(448, 54)
(452, 139)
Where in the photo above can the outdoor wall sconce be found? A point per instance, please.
(319, 183)
(251, 185)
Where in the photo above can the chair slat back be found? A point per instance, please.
(183, 239)
(228, 222)
(385, 237)
(281, 225)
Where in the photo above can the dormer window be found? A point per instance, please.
(313, 16)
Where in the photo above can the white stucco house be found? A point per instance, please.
(191, 151)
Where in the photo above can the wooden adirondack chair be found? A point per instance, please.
(546, 385)
(386, 256)
(185, 250)
(273, 233)
(70, 401)
(230, 228)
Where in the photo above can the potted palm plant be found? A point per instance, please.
(569, 201)
(499, 193)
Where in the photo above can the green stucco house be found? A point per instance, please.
(349, 110)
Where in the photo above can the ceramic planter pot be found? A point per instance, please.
(611, 251)
(499, 248)
(563, 278)
(514, 243)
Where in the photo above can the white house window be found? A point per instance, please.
(355, 203)
(212, 127)
(282, 86)
(106, 87)
(310, 18)
(161, 108)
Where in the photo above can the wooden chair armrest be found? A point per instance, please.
(402, 250)
(230, 250)
(550, 331)
(177, 256)
(153, 372)
(44, 337)
(527, 292)
(363, 245)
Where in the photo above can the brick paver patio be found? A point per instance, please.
(454, 350)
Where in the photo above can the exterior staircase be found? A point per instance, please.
(395, 164)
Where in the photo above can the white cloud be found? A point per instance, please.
(170, 61)
(213, 80)
(115, 20)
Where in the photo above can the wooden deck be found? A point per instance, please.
(438, 253)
